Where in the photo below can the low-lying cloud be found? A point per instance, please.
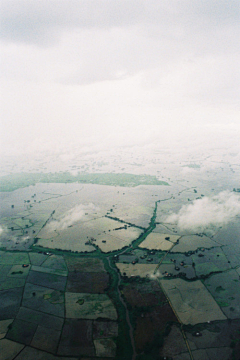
(207, 212)
(1, 230)
(155, 276)
(71, 217)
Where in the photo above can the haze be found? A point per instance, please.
(98, 74)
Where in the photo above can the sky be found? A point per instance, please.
(117, 72)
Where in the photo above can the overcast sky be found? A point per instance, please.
(73, 70)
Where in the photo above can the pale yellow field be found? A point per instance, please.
(117, 239)
(156, 241)
(192, 301)
(193, 242)
(103, 229)
(141, 270)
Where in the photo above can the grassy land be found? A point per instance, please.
(15, 181)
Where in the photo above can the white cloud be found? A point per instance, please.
(155, 276)
(203, 213)
(71, 217)
(1, 230)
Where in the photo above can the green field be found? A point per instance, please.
(20, 180)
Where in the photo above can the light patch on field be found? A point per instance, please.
(49, 270)
(46, 234)
(191, 301)
(134, 213)
(105, 347)
(156, 241)
(9, 349)
(142, 270)
(19, 271)
(193, 242)
(23, 223)
(89, 306)
(4, 327)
